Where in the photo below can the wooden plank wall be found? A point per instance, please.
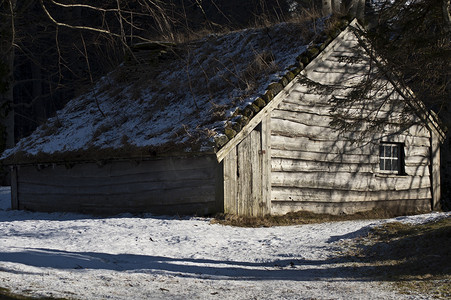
(163, 186)
(315, 167)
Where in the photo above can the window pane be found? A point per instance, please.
(391, 157)
(387, 151)
(395, 151)
(381, 151)
(387, 164)
(381, 164)
(394, 165)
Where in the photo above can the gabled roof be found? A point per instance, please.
(200, 97)
(194, 98)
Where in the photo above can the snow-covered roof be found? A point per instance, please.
(192, 98)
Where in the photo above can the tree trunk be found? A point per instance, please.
(327, 7)
(6, 97)
(39, 107)
(336, 5)
(6, 102)
(355, 8)
(446, 8)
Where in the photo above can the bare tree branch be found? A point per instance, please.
(78, 5)
(75, 26)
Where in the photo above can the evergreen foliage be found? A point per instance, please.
(414, 38)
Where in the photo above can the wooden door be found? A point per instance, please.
(246, 175)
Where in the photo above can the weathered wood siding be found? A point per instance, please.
(247, 174)
(317, 168)
(163, 186)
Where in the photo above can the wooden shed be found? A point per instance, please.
(282, 151)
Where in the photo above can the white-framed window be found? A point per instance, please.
(391, 158)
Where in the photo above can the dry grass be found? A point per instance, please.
(300, 217)
(48, 129)
(304, 17)
(261, 20)
(415, 258)
(263, 63)
(100, 130)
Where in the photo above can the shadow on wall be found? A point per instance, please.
(5, 176)
(346, 140)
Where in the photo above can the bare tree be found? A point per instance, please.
(49, 48)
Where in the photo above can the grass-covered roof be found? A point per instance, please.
(184, 98)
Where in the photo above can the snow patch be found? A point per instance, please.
(178, 101)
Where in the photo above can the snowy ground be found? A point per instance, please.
(125, 257)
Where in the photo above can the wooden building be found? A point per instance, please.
(279, 154)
